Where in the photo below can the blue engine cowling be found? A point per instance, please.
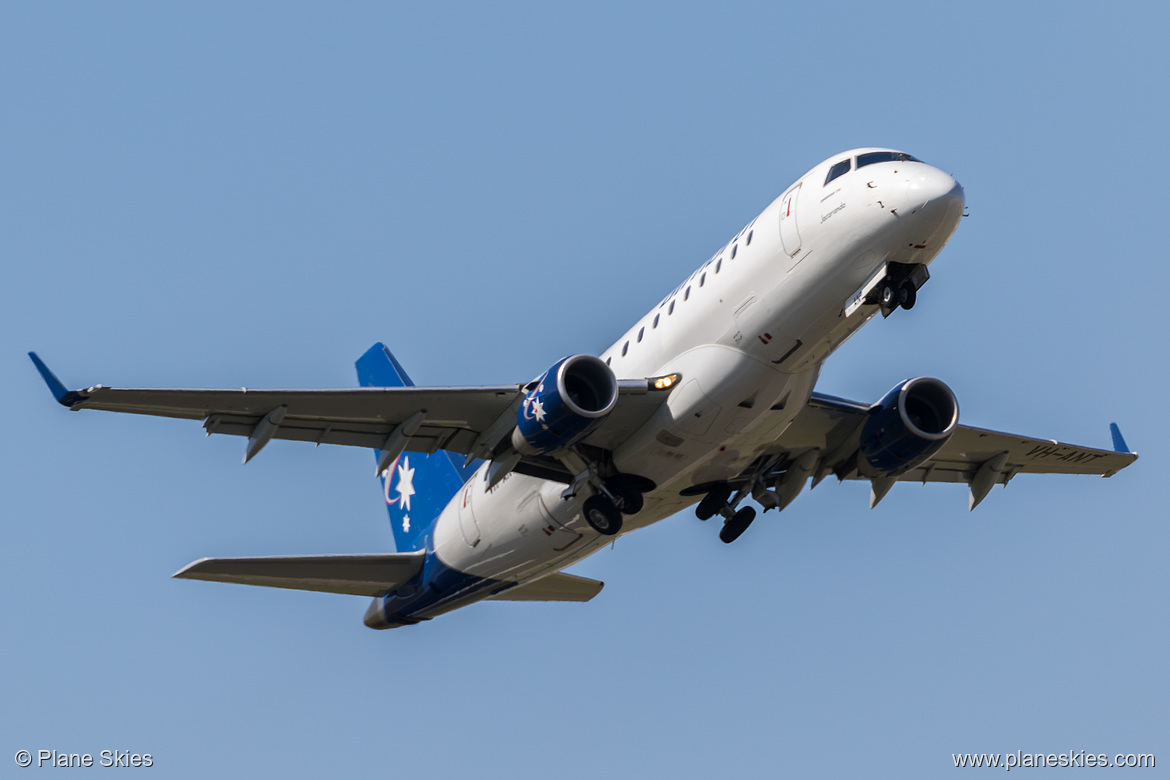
(565, 403)
(905, 428)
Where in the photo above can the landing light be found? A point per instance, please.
(665, 382)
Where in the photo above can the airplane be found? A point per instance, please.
(707, 400)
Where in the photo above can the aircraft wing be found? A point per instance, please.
(464, 420)
(833, 426)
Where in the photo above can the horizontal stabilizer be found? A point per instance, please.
(554, 587)
(355, 575)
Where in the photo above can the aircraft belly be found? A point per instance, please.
(746, 403)
(524, 525)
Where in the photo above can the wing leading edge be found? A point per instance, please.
(463, 420)
(978, 457)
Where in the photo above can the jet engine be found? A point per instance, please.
(564, 405)
(911, 423)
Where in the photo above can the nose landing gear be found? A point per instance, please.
(899, 288)
(891, 297)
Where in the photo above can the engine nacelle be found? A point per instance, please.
(905, 428)
(566, 403)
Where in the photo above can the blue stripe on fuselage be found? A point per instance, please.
(437, 589)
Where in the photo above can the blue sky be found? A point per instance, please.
(251, 194)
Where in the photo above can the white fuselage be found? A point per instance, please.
(748, 332)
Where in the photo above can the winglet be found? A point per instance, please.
(1119, 444)
(63, 396)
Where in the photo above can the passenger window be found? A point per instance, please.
(625, 348)
(656, 316)
(640, 332)
(840, 169)
(718, 265)
(670, 310)
(687, 294)
(734, 249)
(607, 360)
(749, 238)
(702, 279)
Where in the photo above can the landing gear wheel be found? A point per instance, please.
(629, 501)
(627, 489)
(908, 295)
(738, 523)
(713, 502)
(888, 297)
(602, 515)
(632, 481)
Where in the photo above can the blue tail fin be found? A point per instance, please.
(416, 487)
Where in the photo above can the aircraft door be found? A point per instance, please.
(789, 235)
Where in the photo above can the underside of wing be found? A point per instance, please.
(473, 421)
(832, 425)
(826, 439)
(358, 417)
(961, 457)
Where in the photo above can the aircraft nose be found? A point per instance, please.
(928, 187)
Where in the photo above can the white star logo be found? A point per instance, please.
(538, 409)
(405, 479)
(405, 523)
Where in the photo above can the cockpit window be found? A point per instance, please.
(877, 157)
(840, 169)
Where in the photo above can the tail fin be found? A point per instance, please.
(416, 487)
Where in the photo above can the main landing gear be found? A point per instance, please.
(619, 495)
(718, 502)
(610, 496)
(603, 515)
(734, 526)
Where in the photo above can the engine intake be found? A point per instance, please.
(564, 405)
(904, 429)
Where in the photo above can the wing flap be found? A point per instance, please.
(554, 587)
(351, 433)
(354, 575)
